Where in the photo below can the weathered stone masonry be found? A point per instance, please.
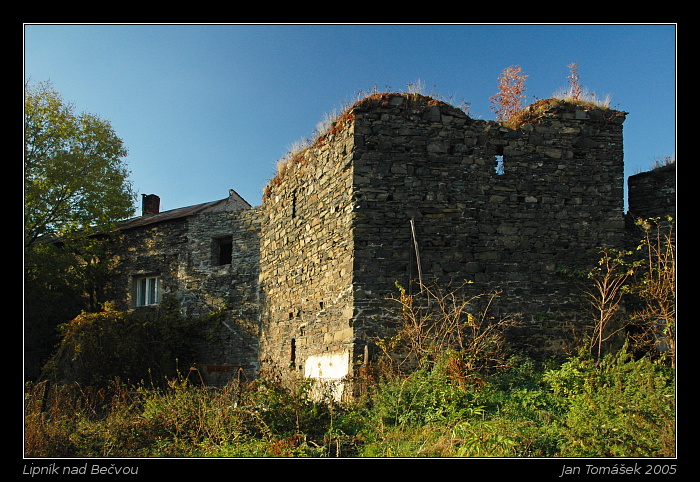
(182, 248)
(336, 229)
(653, 193)
(307, 261)
(312, 267)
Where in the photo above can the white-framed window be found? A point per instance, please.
(147, 290)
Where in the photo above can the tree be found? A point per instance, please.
(508, 100)
(75, 186)
(575, 90)
(74, 175)
(605, 295)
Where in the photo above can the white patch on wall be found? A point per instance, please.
(329, 371)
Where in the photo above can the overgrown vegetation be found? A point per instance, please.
(75, 186)
(619, 406)
(507, 103)
(98, 347)
(448, 385)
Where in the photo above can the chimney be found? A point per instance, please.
(150, 204)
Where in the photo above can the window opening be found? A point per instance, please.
(500, 169)
(222, 251)
(293, 353)
(147, 291)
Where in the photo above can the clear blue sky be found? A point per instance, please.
(207, 108)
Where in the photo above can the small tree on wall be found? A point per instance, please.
(508, 100)
(575, 88)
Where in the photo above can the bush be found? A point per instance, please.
(618, 407)
(427, 395)
(97, 348)
(511, 413)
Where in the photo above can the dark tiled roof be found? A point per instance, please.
(173, 214)
(166, 215)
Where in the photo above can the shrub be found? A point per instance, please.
(426, 396)
(617, 407)
(97, 348)
(508, 100)
(436, 321)
(511, 414)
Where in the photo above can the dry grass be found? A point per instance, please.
(538, 110)
(298, 154)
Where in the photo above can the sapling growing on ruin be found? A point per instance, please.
(511, 90)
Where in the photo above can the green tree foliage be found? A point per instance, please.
(75, 185)
(60, 282)
(74, 174)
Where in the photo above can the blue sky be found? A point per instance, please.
(207, 108)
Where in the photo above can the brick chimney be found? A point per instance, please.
(150, 204)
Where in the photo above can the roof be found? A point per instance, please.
(166, 215)
(233, 202)
(180, 213)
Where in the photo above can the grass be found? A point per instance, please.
(298, 156)
(526, 409)
(537, 110)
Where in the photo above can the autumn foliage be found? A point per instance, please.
(508, 100)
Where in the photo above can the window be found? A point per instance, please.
(293, 353)
(222, 251)
(500, 169)
(147, 291)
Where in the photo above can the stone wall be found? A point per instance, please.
(182, 248)
(306, 260)
(148, 250)
(336, 222)
(208, 285)
(555, 200)
(653, 193)
(399, 186)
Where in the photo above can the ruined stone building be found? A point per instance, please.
(400, 186)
